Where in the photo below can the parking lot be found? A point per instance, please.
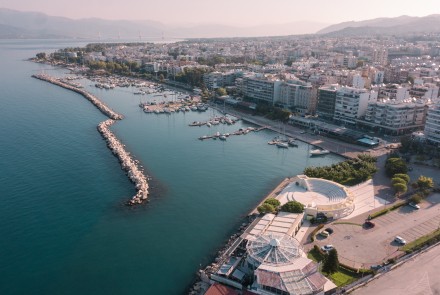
(360, 247)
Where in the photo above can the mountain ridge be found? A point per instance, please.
(37, 23)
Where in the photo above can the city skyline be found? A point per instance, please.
(230, 12)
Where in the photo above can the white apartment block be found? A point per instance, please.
(379, 56)
(395, 117)
(424, 91)
(351, 104)
(262, 88)
(394, 92)
(432, 126)
(299, 95)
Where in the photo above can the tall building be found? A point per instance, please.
(379, 56)
(325, 107)
(298, 95)
(432, 126)
(351, 104)
(261, 88)
(394, 117)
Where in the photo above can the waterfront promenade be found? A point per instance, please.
(128, 164)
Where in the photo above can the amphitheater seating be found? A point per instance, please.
(332, 191)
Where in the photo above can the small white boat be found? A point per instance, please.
(282, 145)
(319, 152)
(222, 137)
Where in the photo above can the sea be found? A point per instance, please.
(64, 228)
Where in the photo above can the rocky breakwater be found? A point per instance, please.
(128, 164)
(131, 166)
(93, 99)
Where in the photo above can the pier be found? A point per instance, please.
(241, 131)
(93, 99)
(128, 164)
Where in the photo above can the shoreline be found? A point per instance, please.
(128, 164)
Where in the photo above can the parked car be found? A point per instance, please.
(302, 132)
(414, 205)
(324, 233)
(400, 240)
(327, 248)
(369, 224)
(329, 230)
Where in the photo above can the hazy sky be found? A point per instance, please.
(237, 12)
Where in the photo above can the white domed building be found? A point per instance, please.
(281, 266)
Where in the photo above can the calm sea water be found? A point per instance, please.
(64, 228)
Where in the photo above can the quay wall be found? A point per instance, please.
(128, 164)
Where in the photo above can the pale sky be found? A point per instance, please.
(234, 12)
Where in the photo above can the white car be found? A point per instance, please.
(414, 205)
(324, 233)
(400, 240)
(327, 248)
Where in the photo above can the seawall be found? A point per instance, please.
(130, 166)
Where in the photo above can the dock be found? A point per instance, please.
(241, 131)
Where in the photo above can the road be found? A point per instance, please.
(419, 276)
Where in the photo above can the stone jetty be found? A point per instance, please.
(128, 164)
(93, 99)
(131, 166)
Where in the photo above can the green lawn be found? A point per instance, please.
(315, 255)
(344, 277)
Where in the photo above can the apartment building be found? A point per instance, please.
(432, 126)
(351, 103)
(261, 88)
(395, 117)
(325, 108)
(298, 95)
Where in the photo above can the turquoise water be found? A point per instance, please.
(64, 228)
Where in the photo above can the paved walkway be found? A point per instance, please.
(301, 234)
(365, 199)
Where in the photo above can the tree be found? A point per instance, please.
(403, 176)
(331, 262)
(395, 166)
(221, 91)
(293, 207)
(400, 188)
(41, 55)
(266, 208)
(395, 180)
(425, 183)
(416, 198)
(272, 201)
